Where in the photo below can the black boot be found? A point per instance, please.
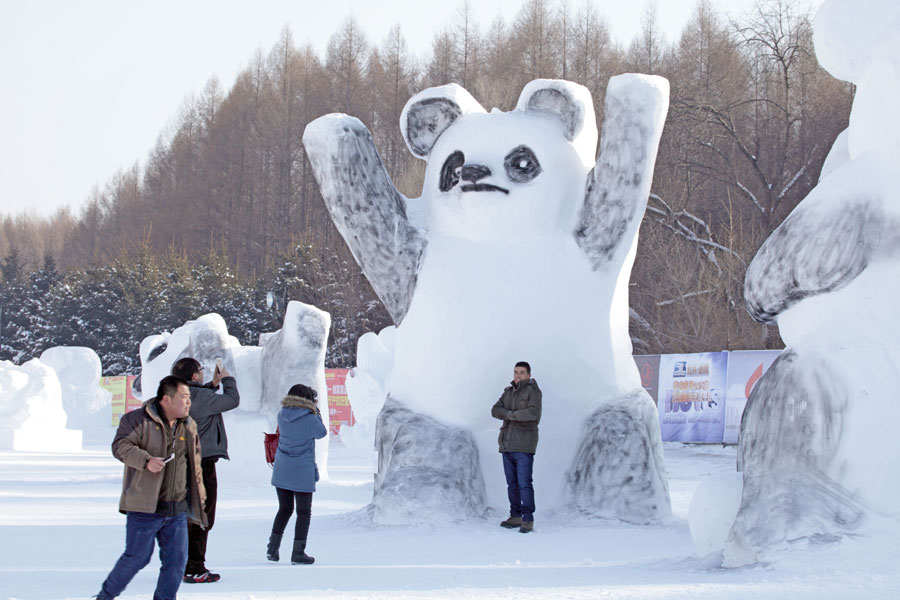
(298, 556)
(274, 544)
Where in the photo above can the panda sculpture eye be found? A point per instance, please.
(450, 171)
(521, 165)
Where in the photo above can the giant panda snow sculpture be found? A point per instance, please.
(817, 447)
(520, 248)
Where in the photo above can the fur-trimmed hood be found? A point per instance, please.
(298, 402)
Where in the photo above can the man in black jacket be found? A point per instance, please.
(207, 407)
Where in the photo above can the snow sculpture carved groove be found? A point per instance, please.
(520, 248)
(817, 449)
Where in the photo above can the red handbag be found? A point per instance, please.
(271, 444)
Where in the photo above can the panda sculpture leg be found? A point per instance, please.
(427, 471)
(618, 471)
(790, 433)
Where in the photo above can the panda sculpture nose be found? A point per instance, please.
(474, 173)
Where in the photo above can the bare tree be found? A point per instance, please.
(536, 36)
(345, 62)
(466, 41)
(645, 54)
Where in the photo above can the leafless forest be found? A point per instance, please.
(751, 120)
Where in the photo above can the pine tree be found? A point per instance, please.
(12, 266)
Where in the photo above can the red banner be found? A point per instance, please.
(123, 399)
(339, 410)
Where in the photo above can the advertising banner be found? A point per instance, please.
(648, 367)
(692, 396)
(745, 368)
(339, 410)
(123, 399)
(116, 387)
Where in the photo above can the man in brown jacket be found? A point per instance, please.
(519, 407)
(161, 489)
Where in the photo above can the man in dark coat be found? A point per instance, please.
(207, 407)
(162, 488)
(519, 407)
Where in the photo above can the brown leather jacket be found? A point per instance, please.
(519, 407)
(142, 435)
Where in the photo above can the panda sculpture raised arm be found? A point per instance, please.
(520, 248)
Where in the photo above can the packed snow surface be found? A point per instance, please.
(62, 533)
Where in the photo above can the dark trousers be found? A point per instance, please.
(518, 467)
(196, 563)
(286, 500)
(141, 531)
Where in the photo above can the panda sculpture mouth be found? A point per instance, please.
(482, 187)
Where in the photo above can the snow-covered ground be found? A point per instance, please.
(61, 533)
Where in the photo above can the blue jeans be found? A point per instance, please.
(518, 467)
(141, 530)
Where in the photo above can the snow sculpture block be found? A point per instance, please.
(817, 448)
(205, 339)
(712, 511)
(32, 418)
(88, 406)
(293, 354)
(296, 354)
(365, 386)
(520, 248)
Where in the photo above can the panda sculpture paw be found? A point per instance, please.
(427, 471)
(618, 470)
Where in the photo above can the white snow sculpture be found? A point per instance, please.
(32, 418)
(520, 248)
(713, 508)
(296, 354)
(205, 338)
(293, 354)
(88, 406)
(817, 447)
(366, 386)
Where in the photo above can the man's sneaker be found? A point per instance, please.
(526, 527)
(512, 522)
(205, 577)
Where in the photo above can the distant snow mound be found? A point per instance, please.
(88, 406)
(32, 418)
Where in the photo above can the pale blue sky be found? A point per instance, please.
(87, 86)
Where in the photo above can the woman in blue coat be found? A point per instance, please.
(295, 474)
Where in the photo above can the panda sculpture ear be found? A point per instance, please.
(430, 112)
(569, 102)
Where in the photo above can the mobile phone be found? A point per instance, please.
(171, 456)
(219, 366)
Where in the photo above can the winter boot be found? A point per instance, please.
(527, 527)
(274, 545)
(512, 522)
(298, 556)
